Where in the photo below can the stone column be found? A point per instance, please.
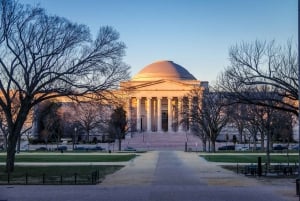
(169, 114)
(180, 128)
(149, 114)
(159, 114)
(138, 114)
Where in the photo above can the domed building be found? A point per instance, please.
(157, 96)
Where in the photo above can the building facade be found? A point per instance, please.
(157, 97)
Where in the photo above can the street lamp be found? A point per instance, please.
(74, 137)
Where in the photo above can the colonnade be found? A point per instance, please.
(159, 114)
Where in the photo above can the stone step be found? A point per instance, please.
(174, 141)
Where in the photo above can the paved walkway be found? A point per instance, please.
(161, 176)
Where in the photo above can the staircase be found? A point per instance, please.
(163, 141)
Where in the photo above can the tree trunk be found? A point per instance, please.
(11, 152)
(204, 146)
(268, 150)
(5, 141)
(14, 130)
(120, 144)
(88, 136)
(262, 142)
(213, 145)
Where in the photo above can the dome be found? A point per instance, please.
(163, 70)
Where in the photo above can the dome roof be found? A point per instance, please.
(163, 70)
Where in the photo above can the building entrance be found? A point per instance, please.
(164, 120)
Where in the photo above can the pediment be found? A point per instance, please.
(162, 85)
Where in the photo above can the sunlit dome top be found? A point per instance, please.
(163, 70)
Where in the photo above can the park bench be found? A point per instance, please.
(250, 170)
(282, 169)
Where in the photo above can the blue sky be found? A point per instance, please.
(193, 33)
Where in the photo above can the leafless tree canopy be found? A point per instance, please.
(259, 66)
(44, 56)
(209, 115)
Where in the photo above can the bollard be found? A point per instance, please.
(259, 167)
(75, 178)
(44, 175)
(297, 186)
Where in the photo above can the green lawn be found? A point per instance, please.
(71, 158)
(80, 174)
(56, 174)
(60, 170)
(250, 158)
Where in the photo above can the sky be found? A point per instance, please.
(195, 34)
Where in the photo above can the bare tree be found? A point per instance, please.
(50, 122)
(118, 125)
(269, 122)
(252, 123)
(238, 118)
(43, 57)
(257, 64)
(210, 114)
(90, 116)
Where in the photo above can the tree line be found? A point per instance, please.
(257, 92)
(44, 57)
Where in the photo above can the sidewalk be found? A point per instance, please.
(141, 171)
(162, 176)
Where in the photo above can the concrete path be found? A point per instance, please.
(161, 176)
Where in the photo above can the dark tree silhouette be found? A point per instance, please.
(209, 114)
(260, 65)
(44, 57)
(118, 125)
(50, 122)
(90, 116)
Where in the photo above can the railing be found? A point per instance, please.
(278, 169)
(48, 179)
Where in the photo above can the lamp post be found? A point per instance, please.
(74, 137)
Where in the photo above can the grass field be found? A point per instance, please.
(61, 170)
(61, 174)
(57, 174)
(71, 158)
(250, 158)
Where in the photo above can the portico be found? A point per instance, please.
(156, 114)
(158, 98)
